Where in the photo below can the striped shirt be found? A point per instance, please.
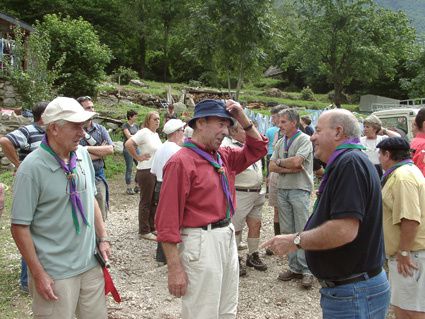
(26, 139)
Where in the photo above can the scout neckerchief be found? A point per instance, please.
(352, 143)
(70, 172)
(287, 142)
(389, 171)
(218, 165)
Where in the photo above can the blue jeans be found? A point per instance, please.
(293, 205)
(24, 273)
(367, 299)
(128, 165)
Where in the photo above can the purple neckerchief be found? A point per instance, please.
(218, 165)
(288, 142)
(352, 143)
(70, 172)
(388, 172)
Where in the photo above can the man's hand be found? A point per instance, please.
(177, 281)
(236, 110)
(143, 157)
(105, 249)
(281, 244)
(405, 265)
(44, 285)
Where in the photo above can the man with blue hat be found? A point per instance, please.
(195, 207)
(403, 198)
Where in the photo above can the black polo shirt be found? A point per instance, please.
(353, 190)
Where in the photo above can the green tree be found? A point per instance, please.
(230, 36)
(29, 73)
(347, 40)
(85, 59)
(416, 84)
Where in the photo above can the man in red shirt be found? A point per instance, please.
(194, 210)
(418, 143)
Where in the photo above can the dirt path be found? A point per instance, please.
(143, 285)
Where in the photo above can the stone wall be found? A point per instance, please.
(9, 98)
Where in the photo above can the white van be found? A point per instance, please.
(399, 120)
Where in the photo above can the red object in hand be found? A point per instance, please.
(109, 285)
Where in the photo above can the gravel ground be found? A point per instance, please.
(143, 285)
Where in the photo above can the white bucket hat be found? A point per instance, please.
(173, 125)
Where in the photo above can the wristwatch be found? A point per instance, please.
(297, 240)
(404, 253)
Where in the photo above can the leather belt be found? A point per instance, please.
(361, 277)
(249, 190)
(221, 223)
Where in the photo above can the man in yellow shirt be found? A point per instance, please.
(403, 196)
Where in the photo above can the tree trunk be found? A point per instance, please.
(338, 94)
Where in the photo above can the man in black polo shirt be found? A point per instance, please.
(343, 239)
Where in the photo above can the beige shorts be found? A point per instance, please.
(249, 204)
(408, 293)
(273, 189)
(82, 295)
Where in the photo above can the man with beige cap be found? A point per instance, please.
(56, 219)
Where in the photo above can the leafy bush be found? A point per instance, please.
(307, 94)
(34, 83)
(85, 57)
(124, 75)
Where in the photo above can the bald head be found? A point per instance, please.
(346, 120)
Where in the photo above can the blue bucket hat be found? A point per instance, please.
(211, 108)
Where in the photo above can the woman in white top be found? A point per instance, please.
(148, 141)
(372, 126)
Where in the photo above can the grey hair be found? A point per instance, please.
(347, 121)
(291, 114)
(276, 109)
(58, 123)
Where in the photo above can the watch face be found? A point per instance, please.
(297, 240)
(404, 253)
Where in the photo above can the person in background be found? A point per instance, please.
(147, 141)
(343, 239)
(99, 144)
(170, 114)
(418, 142)
(372, 128)
(293, 161)
(250, 198)
(24, 140)
(195, 208)
(305, 122)
(56, 220)
(174, 129)
(403, 197)
(129, 129)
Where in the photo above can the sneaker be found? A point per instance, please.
(307, 281)
(242, 268)
(24, 288)
(242, 246)
(269, 252)
(148, 236)
(289, 275)
(136, 189)
(161, 263)
(253, 260)
(130, 191)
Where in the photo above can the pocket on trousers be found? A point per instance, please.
(338, 303)
(190, 247)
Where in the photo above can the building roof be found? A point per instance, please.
(16, 22)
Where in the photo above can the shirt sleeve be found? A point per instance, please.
(276, 147)
(19, 138)
(169, 215)
(305, 148)
(105, 136)
(139, 137)
(25, 198)
(406, 202)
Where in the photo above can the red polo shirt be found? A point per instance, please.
(418, 144)
(191, 192)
